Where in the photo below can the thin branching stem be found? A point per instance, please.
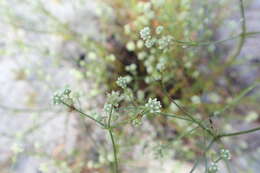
(176, 116)
(113, 142)
(82, 113)
(198, 122)
(236, 52)
(204, 153)
(239, 133)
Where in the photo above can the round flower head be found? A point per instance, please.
(225, 154)
(62, 96)
(122, 82)
(149, 43)
(153, 106)
(67, 91)
(57, 98)
(165, 42)
(213, 168)
(159, 30)
(114, 98)
(145, 33)
(108, 108)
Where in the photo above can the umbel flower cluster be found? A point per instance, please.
(213, 168)
(62, 96)
(123, 81)
(153, 106)
(163, 42)
(224, 155)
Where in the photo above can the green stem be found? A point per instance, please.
(82, 113)
(204, 153)
(175, 116)
(113, 142)
(198, 122)
(239, 133)
(114, 151)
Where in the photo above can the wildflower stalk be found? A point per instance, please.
(204, 153)
(175, 116)
(239, 133)
(115, 165)
(82, 113)
(206, 43)
(198, 122)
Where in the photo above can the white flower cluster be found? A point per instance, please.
(131, 68)
(225, 154)
(165, 42)
(145, 33)
(153, 106)
(161, 64)
(114, 98)
(213, 168)
(159, 30)
(123, 81)
(61, 96)
(149, 43)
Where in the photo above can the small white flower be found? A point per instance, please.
(111, 57)
(165, 42)
(225, 154)
(141, 55)
(149, 43)
(57, 98)
(213, 168)
(130, 46)
(67, 91)
(92, 56)
(195, 99)
(131, 67)
(251, 116)
(153, 106)
(123, 81)
(108, 108)
(161, 65)
(114, 98)
(145, 33)
(140, 44)
(159, 30)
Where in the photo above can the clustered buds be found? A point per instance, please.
(114, 98)
(225, 154)
(108, 108)
(123, 81)
(153, 106)
(213, 168)
(145, 33)
(163, 43)
(61, 96)
(159, 30)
